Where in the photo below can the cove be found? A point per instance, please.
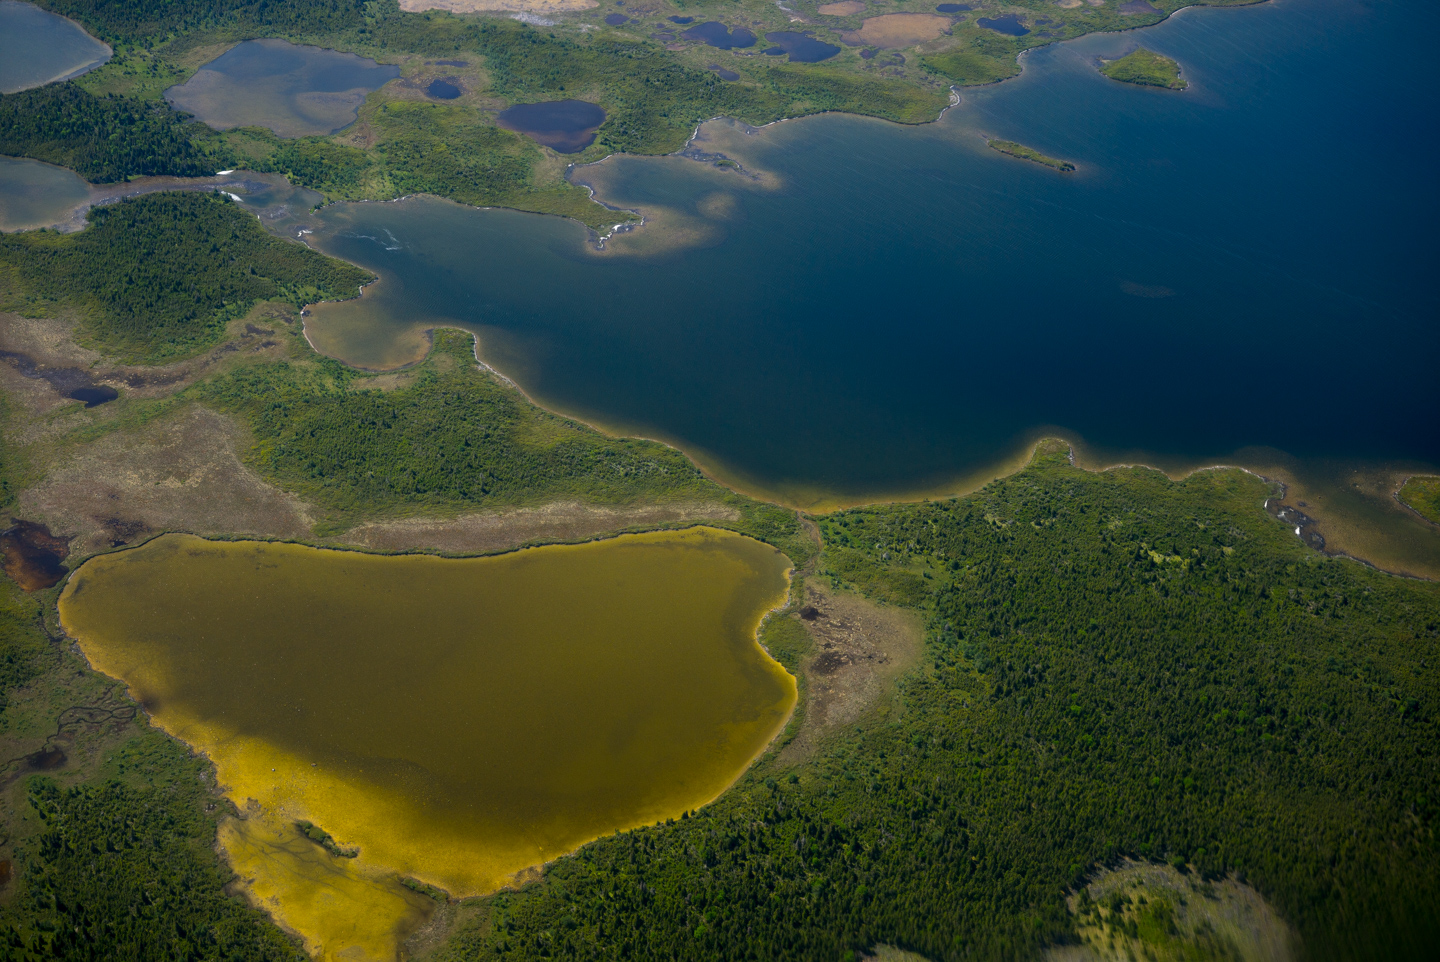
(295, 91)
(458, 721)
(34, 194)
(894, 312)
(38, 47)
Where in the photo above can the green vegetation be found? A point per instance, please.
(978, 57)
(325, 840)
(1030, 154)
(1118, 665)
(433, 149)
(103, 139)
(158, 277)
(1422, 494)
(1146, 68)
(121, 865)
(453, 437)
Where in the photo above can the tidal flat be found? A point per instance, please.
(458, 721)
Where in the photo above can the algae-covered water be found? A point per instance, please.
(456, 720)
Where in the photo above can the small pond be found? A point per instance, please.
(33, 194)
(954, 7)
(295, 91)
(37, 47)
(1008, 24)
(458, 721)
(802, 48)
(718, 35)
(616, 19)
(723, 74)
(565, 126)
(443, 89)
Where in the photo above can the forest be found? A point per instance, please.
(1117, 665)
(453, 437)
(103, 139)
(159, 277)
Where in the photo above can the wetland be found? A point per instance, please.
(457, 721)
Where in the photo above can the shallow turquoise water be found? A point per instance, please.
(37, 47)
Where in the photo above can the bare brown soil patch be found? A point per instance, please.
(179, 474)
(894, 30)
(861, 648)
(541, 7)
(492, 531)
(845, 8)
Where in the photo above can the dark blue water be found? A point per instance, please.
(717, 35)
(1249, 262)
(1008, 24)
(802, 48)
(443, 89)
(565, 126)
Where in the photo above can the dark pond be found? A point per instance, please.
(954, 7)
(451, 63)
(663, 37)
(801, 47)
(681, 19)
(32, 557)
(724, 74)
(1008, 24)
(296, 91)
(565, 126)
(717, 35)
(443, 89)
(616, 19)
(868, 54)
(94, 395)
(37, 47)
(71, 382)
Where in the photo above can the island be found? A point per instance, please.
(1421, 494)
(1031, 154)
(1145, 68)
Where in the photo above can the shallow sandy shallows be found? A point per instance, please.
(845, 8)
(900, 29)
(515, 6)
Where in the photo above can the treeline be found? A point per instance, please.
(150, 20)
(159, 276)
(454, 437)
(1117, 666)
(105, 139)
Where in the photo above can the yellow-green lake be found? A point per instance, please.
(457, 720)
